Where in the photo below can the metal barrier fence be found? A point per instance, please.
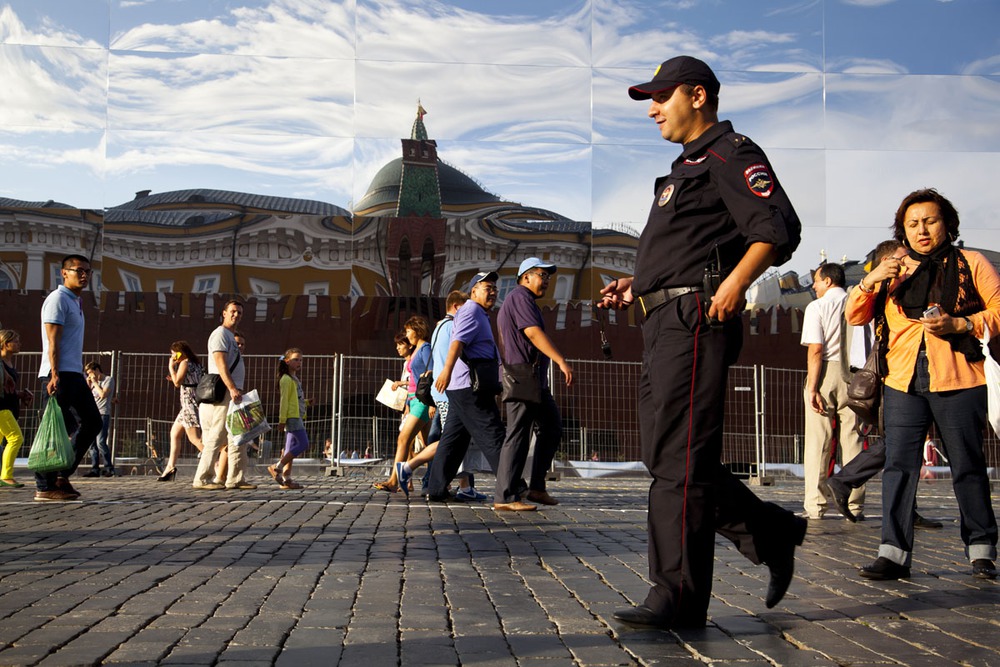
(764, 420)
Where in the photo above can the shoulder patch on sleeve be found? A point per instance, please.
(759, 179)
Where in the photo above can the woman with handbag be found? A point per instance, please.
(183, 371)
(939, 301)
(418, 414)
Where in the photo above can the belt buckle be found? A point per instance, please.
(642, 303)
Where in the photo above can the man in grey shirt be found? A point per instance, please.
(224, 360)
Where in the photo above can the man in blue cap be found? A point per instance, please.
(527, 348)
(471, 380)
(718, 220)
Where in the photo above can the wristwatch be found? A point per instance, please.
(968, 325)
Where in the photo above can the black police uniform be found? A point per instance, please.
(720, 196)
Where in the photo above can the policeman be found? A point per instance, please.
(718, 220)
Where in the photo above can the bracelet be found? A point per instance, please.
(861, 286)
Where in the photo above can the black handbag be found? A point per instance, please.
(521, 383)
(211, 388)
(423, 390)
(484, 375)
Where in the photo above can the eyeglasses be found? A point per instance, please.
(80, 272)
(490, 289)
(544, 275)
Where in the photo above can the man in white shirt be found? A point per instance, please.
(823, 332)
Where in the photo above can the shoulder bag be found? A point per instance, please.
(426, 381)
(864, 392)
(484, 375)
(211, 388)
(521, 383)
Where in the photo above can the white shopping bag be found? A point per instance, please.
(245, 420)
(992, 370)
(393, 398)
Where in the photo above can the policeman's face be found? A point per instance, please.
(674, 112)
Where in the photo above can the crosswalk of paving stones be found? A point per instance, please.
(140, 573)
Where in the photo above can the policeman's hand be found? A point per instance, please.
(728, 302)
(567, 372)
(617, 294)
(816, 402)
(442, 381)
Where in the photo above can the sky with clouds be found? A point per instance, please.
(857, 102)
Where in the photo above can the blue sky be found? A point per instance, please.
(857, 102)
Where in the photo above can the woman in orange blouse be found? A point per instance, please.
(940, 299)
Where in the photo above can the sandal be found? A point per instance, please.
(11, 484)
(289, 484)
(385, 486)
(275, 475)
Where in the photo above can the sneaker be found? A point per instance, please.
(92, 473)
(208, 487)
(470, 495)
(983, 568)
(403, 478)
(242, 486)
(54, 496)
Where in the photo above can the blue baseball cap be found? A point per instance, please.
(534, 263)
(488, 276)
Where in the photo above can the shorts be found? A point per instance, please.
(418, 408)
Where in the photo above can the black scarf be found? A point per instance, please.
(943, 277)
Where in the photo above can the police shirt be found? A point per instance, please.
(721, 192)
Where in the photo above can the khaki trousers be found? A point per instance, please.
(819, 441)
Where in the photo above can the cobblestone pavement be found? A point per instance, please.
(142, 572)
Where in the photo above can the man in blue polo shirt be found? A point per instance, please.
(62, 371)
(523, 341)
(473, 415)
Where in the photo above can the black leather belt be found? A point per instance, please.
(653, 300)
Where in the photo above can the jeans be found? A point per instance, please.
(101, 445)
(960, 417)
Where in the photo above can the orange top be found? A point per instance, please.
(949, 370)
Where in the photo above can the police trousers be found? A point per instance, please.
(693, 495)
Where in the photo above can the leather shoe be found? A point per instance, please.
(922, 522)
(884, 569)
(516, 506)
(782, 564)
(643, 616)
(541, 497)
(838, 493)
(983, 568)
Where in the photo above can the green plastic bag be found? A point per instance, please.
(51, 449)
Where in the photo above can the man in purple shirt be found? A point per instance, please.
(471, 414)
(524, 341)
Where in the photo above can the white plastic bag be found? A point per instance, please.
(992, 370)
(395, 399)
(246, 420)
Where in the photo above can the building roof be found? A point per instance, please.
(20, 203)
(457, 189)
(203, 198)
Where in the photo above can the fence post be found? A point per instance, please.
(759, 393)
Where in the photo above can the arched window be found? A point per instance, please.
(427, 267)
(6, 281)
